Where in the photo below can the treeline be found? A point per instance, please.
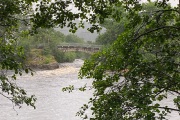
(43, 45)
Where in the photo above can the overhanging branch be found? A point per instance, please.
(172, 109)
(156, 29)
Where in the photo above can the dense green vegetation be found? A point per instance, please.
(131, 77)
(115, 27)
(140, 68)
(45, 44)
(18, 18)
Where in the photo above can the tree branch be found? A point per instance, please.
(9, 98)
(153, 30)
(173, 109)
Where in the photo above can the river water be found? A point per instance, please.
(52, 103)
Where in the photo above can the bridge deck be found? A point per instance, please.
(79, 47)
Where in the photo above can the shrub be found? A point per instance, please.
(58, 55)
(69, 57)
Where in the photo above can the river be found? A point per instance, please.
(52, 103)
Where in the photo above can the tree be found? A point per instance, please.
(11, 55)
(113, 29)
(146, 55)
(73, 39)
(140, 69)
(14, 13)
(33, 14)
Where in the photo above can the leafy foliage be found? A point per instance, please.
(139, 70)
(47, 40)
(73, 39)
(18, 17)
(113, 29)
(11, 58)
(11, 55)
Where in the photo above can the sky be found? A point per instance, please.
(173, 2)
(85, 34)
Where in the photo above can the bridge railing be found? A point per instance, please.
(79, 45)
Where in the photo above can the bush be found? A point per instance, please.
(58, 55)
(69, 57)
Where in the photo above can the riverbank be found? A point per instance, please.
(39, 59)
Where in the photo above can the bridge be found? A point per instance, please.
(79, 47)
